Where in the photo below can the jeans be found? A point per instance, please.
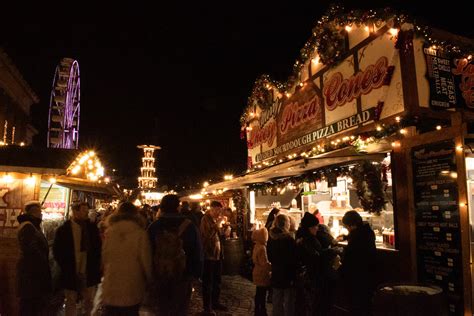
(174, 297)
(260, 300)
(283, 302)
(31, 306)
(211, 283)
(121, 310)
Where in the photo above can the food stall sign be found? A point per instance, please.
(364, 87)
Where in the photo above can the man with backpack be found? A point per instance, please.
(177, 258)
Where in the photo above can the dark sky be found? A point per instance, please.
(178, 77)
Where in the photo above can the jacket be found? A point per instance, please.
(358, 260)
(126, 257)
(63, 251)
(192, 245)
(33, 272)
(282, 255)
(262, 267)
(210, 235)
(309, 251)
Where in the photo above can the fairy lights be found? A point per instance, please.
(87, 165)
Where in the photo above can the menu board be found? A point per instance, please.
(438, 232)
(440, 77)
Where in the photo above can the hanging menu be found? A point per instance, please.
(438, 233)
(442, 86)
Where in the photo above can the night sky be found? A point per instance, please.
(178, 77)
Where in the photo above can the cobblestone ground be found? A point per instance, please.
(237, 294)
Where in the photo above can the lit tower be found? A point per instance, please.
(148, 181)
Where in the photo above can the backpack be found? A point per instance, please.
(170, 258)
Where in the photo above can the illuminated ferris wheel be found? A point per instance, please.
(64, 106)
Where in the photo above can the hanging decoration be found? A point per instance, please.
(241, 205)
(366, 177)
(327, 44)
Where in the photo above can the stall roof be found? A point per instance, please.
(300, 166)
(87, 186)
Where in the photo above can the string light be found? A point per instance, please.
(438, 127)
(325, 40)
(30, 180)
(87, 165)
(7, 178)
(393, 31)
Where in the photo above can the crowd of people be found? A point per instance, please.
(148, 255)
(155, 256)
(299, 268)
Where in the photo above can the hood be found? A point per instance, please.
(363, 233)
(260, 236)
(28, 218)
(123, 217)
(277, 233)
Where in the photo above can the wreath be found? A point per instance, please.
(367, 180)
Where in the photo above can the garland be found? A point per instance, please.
(327, 39)
(370, 189)
(240, 203)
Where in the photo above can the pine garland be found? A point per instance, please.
(240, 203)
(367, 179)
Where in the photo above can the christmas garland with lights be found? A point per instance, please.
(366, 177)
(327, 39)
(240, 203)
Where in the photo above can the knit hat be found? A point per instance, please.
(309, 220)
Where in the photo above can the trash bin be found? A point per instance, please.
(410, 299)
(233, 256)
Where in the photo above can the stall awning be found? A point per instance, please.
(87, 186)
(299, 166)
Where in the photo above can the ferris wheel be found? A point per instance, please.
(64, 106)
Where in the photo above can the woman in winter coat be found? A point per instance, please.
(261, 270)
(126, 256)
(282, 255)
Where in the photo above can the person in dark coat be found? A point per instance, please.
(271, 217)
(358, 263)
(281, 250)
(33, 271)
(197, 212)
(309, 251)
(77, 250)
(174, 296)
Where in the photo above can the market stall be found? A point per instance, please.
(375, 118)
(44, 175)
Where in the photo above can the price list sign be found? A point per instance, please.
(438, 233)
(440, 77)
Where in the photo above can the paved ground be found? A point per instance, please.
(237, 294)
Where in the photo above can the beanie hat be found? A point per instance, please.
(309, 220)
